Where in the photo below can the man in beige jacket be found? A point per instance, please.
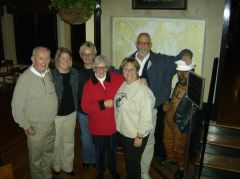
(34, 108)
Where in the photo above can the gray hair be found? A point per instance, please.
(144, 34)
(36, 49)
(100, 59)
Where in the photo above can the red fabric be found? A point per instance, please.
(101, 121)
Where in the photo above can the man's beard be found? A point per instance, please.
(142, 52)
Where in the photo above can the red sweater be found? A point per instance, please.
(101, 119)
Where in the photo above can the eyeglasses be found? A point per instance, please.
(143, 43)
(87, 54)
(130, 70)
(101, 68)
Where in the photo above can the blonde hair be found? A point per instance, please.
(130, 60)
(59, 52)
(86, 45)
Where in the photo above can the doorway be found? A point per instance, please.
(31, 30)
(229, 99)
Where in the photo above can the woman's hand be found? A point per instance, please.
(30, 131)
(137, 141)
(108, 103)
(143, 81)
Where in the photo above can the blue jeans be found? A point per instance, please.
(88, 150)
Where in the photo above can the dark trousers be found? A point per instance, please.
(105, 145)
(132, 156)
(159, 149)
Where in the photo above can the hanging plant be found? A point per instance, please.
(73, 11)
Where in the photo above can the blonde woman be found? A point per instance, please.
(87, 53)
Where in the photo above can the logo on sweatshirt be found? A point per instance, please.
(120, 99)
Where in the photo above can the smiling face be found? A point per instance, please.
(65, 62)
(88, 57)
(143, 45)
(41, 59)
(130, 73)
(101, 70)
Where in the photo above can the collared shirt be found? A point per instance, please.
(101, 80)
(141, 62)
(41, 75)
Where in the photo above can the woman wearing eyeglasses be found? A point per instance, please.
(66, 81)
(97, 102)
(87, 53)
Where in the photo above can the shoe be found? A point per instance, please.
(93, 165)
(56, 173)
(165, 162)
(145, 176)
(100, 176)
(72, 173)
(85, 165)
(56, 177)
(115, 175)
(179, 174)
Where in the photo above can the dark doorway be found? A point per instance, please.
(1, 43)
(229, 99)
(33, 30)
(78, 37)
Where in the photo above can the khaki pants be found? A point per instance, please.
(148, 151)
(64, 142)
(40, 148)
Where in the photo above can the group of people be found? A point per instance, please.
(114, 107)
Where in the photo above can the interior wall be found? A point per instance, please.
(210, 11)
(8, 36)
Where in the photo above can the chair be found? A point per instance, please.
(6, 73)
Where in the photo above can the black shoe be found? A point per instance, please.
(100, 176)
(165, 162)
(85, 165)
(115, 175)
(72, 173)
(56, 177)
(93, 165)
(56, 173)
(179, 174)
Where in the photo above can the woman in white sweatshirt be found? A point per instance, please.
(134, 105)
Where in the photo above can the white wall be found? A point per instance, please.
(209, 10)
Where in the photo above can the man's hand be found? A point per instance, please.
(30, 131)
(137, 142)
(143, 81)
(108, 103)
(187, 58)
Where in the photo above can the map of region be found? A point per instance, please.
(169, 36)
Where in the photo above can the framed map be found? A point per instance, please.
(169, 36)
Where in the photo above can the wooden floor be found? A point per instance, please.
(13, 148)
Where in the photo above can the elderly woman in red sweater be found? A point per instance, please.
(97, 102)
